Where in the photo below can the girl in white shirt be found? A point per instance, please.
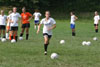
(37, 16)
(14, 17)
(96, 21)
(3, 19)
(49, 24)
(72, 23)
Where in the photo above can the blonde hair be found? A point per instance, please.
(10, 12)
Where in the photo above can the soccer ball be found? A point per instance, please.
(20, 38)
(62, 41)
(88, 43)
(3, 39)
(95, 38)
(84, 43)
(54, 56)
(13, 41)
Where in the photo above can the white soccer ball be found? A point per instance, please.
(88, 43)
(62, 41)
(54, 56)
(13, 41)
(84, 43)
(20, 38)
(3, 39)
(95, 38)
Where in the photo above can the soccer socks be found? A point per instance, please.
(45, 47)
(27, 35)
(4, 36)
(73, 34)
(11, 37)
(21, 35)
(16, 37)
(96, 30)
(7, 35)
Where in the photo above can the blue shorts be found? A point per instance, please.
(36, 21)
(72, 26)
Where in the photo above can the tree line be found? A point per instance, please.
(55, 5)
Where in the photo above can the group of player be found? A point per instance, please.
(11, 27)
(9, 24)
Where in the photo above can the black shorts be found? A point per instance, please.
(96, 24)
(14, 28)
(2, 27)
(45, 34)
(26, 25)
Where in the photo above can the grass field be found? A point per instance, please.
(71, 54)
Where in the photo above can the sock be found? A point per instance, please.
(45, 47)
(11, 37)
(96, 30)
(27, 35)
(7, 35)
(16, 38)
(21, 35)
(4, 36)
(73, 34)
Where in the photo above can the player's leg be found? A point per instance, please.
(22, 32)
(96, 28)
(15, 33)
(46, 43)
(73, 29)
(0, 33)
(73, 32)
(12, 33)
(16, 37)
(3, 33)
(7, 33)
(3, 29)
(27, 33)
(27, 30)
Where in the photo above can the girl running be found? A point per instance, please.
(49, 24)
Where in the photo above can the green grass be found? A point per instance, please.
(71, 54)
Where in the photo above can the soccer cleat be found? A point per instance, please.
(45, 53)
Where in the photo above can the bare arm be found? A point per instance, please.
(30, 18)
(39, 28)
(53, 27)
(76, 18)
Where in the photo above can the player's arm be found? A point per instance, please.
(76, 17)
(39, 28)
(53, 27)
(30, 18)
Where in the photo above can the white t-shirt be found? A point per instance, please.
(96, 19)
(37, 16)
(8, 22)
(3, 20)
(47, 24)
(14, 17)
(72, 19)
